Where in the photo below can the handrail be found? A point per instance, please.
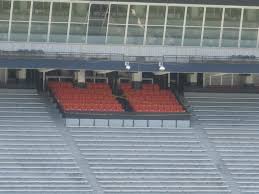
(176, 59)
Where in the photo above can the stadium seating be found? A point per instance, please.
(97, 97)
(151, 99)
(35, 157)
(148, 161)
(231, 124)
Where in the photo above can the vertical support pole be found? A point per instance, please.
(127, 24)
(43, 80)
(221, 27)
(240, 28)
(165, 25)
(49, 24)
(203, 23)
(87, 28)
(204, 80)
(146, 25)
(184, 25)
(108, 21)
(10, 21)
(169, 80)
(29, 28)
(232, 80)
(69, 21)
(137, 80)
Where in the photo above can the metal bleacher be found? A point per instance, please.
(134, 160)
(34, 158)
(230, 122)
(217, 155)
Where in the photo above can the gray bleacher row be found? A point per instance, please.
(231, 125)
(35, 159)
(74, 122)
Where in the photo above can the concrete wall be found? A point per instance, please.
(118, 123)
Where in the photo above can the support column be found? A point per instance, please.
(80, 78)
(75, 77)
(137, 80)
(3, 76)
(21, 76)
(249, 81)
(193, 79)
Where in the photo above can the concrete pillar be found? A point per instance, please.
(249, 81)
(75, 76)
(3, 76)
(193, 79)
(137, 80)
(81, 78)
(21, 75)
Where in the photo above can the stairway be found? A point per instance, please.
(34, 158)
(231, 123)
(142, 161)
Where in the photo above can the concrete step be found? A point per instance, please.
(25, 109)
(159, 178)
(218, 139)
(109, 164)
(130, 150)
(85, 147)
(133, 138)
(223, 107)
(138, 143)
(233, 134)
(143, 152)
(234, 148)
(147, 174)
(155, 191)
(27, 123)
(131, 133)
(231, 122)
(21, 114)
(147, 160)
(228, 116)
(245, 103)
(238, 150)
(230, 129)
(144, 155)
(39, 119)
(123, 130)
(159, 182)
(219, 95)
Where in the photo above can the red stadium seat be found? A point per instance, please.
(96, 97)
(151, 99)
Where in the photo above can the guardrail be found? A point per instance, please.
(179, 59)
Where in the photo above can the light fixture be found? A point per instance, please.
(161, 66)
(127, 65)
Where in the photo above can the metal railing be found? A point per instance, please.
(178, 59)
(234, 59)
